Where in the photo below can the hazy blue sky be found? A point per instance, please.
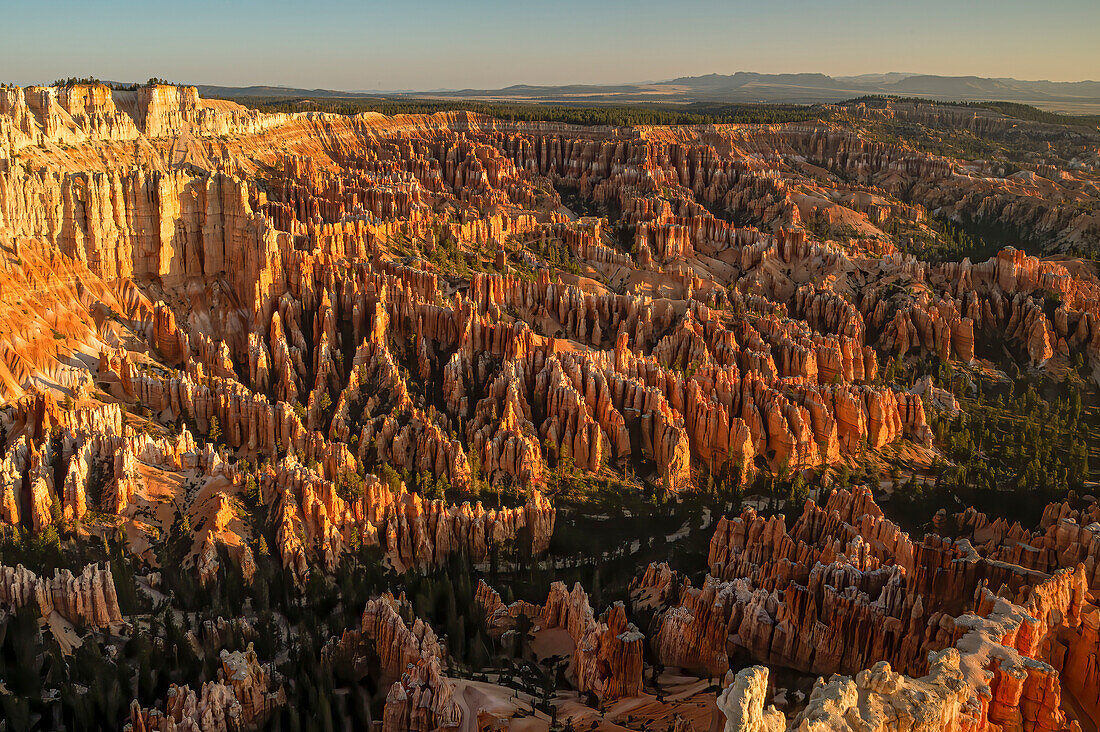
(429, 44)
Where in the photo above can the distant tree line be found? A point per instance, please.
(1009, 109)
(90, 80)
(615, 115)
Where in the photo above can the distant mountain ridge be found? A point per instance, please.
(749, 87)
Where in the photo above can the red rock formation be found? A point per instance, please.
(607, 658)
(319, 293)
(398, 646)
(412, 531)
(845, 589)
(997, 675)
(281, 285)
(243, 697)
(607, 652)
(87, 599)
(501, 618)
(411, 659)
(422, 701)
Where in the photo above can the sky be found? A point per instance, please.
(431, 44)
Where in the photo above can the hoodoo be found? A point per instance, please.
(458, 421)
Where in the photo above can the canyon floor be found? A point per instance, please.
(423, 422)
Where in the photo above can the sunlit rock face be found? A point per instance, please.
(323, 337)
